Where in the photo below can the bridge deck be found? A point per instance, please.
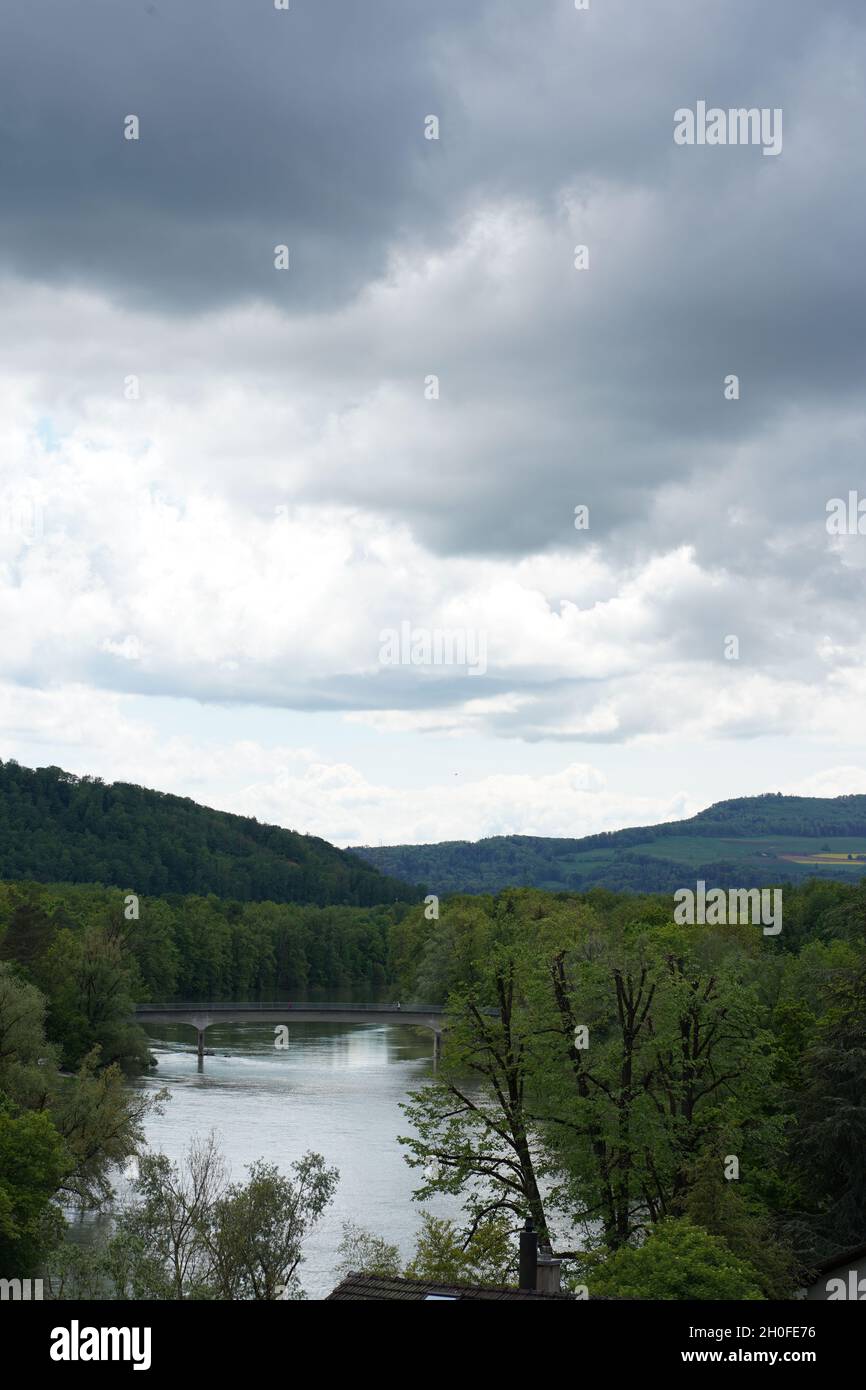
(203, 1015)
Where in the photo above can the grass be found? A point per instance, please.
(703, 849)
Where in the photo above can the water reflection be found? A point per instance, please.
(336, 1089)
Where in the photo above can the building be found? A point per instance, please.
(840, 1277)
(375, 1287)
(539, 1278)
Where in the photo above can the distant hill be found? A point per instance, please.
(748, 842)
(55, 827)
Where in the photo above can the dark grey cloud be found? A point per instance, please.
(306, 127)
(257, 127)
(261, 126)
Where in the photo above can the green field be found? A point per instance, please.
(750, 840)
(702, 849)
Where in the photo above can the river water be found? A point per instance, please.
(336, 1089)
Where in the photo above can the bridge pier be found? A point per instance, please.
(201, 1016)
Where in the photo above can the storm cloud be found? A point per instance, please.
(400, 426)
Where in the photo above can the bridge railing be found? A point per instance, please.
(228, 1005)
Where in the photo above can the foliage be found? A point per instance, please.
(188, 1233)
(33, 1161)
(646, 859)
(55, 827)
(606, 1071)
(521, 1118)
(721, 1209)
(473, 1132)
(362, 1252)
(830, 1139)
(678, 1260)
(93, 964)
(61, 1135)
(444, 1256)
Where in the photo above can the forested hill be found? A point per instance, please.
(55, 827)
(750, 841)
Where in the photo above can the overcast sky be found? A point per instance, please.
(221, 482)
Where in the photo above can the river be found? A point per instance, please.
(336, 1089)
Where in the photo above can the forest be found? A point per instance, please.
(680, 1109)
(730, 844)
(84, 944)
(55, 827)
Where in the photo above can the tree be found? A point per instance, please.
(164, 1231)
(89, 979)
(443, 1255)
(152, 944)
(22, 1040)
(473, 1132)
(830, 1137)
(362, 1252)
(33, 1161)
(187, 1233)
(99, 1120)
(102, 1124)
(256, 1230)
(678, 1260)
(722, 1209)
(649, 1045)
(587, 1069)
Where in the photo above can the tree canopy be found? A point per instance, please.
(56, 827)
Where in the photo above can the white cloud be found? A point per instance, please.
(93, 733)
(281, 490)
(833, 781)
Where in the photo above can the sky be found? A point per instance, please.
(301, 388)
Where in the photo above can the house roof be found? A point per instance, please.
(843, 1258)
(374, 1286)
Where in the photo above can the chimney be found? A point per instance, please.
(528, 1257)
(548, 1279)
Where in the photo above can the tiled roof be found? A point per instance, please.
(844, 1257)
(373, 1286)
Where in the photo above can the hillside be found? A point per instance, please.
(750, 841)
(55, 827)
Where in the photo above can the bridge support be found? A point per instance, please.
(203, 1016)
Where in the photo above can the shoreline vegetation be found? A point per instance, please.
(692, 1098)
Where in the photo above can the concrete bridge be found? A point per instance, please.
(202, 1016)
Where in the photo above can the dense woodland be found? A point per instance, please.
(180, 948)
(602, 1068)
(74, 962)
(55, 827)
(619, 860)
